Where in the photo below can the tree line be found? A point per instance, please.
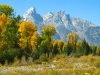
(20, 38)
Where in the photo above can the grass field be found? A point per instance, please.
(59, 65)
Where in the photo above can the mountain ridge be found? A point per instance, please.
(65, 24)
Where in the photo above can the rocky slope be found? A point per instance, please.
(65, 24)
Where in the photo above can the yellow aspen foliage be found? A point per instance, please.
(34, 27)
(72, 39)
(64, 46)
(26, 28)
(79, 44)
(3, 21)
(98, 50)
(48, 30)
(3, 18)
(22, 42)
(59, 44)
(3, 25)
(33, 41)
(27, 31)
(50, 45)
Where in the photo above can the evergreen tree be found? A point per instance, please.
(86, 48)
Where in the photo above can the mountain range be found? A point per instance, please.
(65, 24)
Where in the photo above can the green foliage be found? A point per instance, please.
(8, 10)
(94, 50)
(20, 38)
(45, 40)
(27, 35)
(10, 37)
(48, 30)
(67, 49)
(98, 50)
(7, 55)
(72, 39)
(55, 50)
(86, 48)
(35, 55)
(43, 58)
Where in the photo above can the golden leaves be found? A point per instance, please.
(48, 30)
(33, 41)
(26, 28)
(3, 20)
(72, 39)
(3, 25)
(27, 31)
(22, 42)
(59, 44)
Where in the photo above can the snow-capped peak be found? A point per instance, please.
(50, 13)
(32, 9)
(31, 14)
(61, 12)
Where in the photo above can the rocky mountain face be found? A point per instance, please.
(65, 24)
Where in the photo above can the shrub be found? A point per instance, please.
(50, 55)
(37, 62)
(7, 55)
(43, 57)
(35, 55)
(77, 54)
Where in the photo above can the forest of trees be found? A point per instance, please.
(20, 38)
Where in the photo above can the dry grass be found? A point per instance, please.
(60, 65)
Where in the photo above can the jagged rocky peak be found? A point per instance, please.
(32, 15)
(48, 16)
(31, 10)
(61, 12)
(50, 13)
